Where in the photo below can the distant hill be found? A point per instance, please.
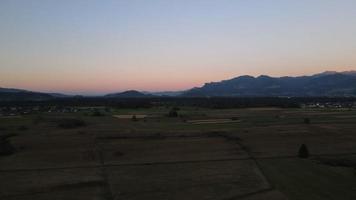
(24, 96)
(129, 94)
(11, 90)
(11, 94)
(323, 84)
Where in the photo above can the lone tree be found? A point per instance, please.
(173, 112)
(134, 118)
(303, 151)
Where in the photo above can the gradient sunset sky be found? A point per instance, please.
(102, 46)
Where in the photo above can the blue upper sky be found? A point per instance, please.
(100, 46)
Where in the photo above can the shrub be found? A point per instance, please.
(134, 118)
(173, 112)
(306, 121)
(6, 147)
(71, 123)
(176, 108)
(97, 113)
(303, 151)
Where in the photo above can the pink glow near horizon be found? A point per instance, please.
(103, 86)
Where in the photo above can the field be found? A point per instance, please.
(222, 154)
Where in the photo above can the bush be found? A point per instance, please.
(97, 113)
(134, 118)
(71, 123)
(234, 118)
(173, 113)
(306, 121)
(176, 108)
(6, 147)
(303, 151)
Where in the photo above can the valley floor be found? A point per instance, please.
(205, 154)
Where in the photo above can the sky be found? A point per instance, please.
(102, 46)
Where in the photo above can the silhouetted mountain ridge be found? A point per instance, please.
(129, 94)
(329, 83)
(323, 84)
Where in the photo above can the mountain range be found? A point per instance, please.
(329, 83)
(323, 84)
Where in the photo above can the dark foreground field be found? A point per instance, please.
(205, 154)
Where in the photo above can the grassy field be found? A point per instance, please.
(201, 154)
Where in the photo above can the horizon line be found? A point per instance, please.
(94, 94)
